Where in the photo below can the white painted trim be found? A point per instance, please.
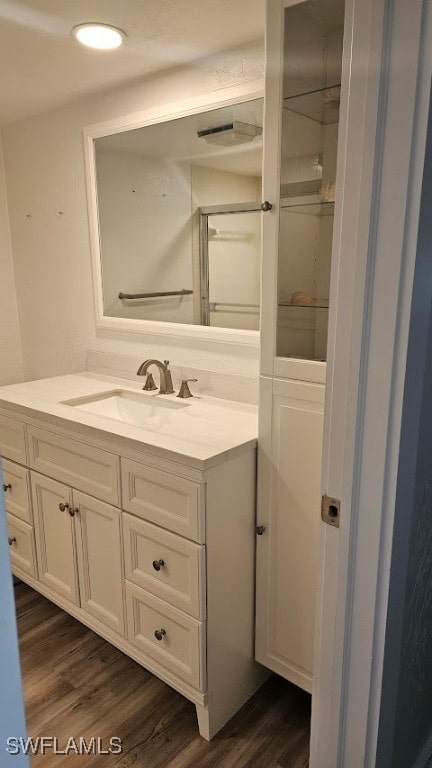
(361, 68)
(217, 99)
(403, 141)
(392, 62)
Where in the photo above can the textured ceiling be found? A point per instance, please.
(41, 65)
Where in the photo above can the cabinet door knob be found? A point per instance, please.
(260, 529)
(158, 564)
(73, 511)
(63, 507)
(7, 487)
(12, 540)
(160, 634)
(266, 206)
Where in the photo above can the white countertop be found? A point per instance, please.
(201, 434)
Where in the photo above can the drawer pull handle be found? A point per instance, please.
(12, 540)
(63, 507)
(158, 564)
(7, 487)
(160, 634)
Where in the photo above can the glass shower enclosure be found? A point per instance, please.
(230, 256)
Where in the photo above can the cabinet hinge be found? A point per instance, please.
(330, 511)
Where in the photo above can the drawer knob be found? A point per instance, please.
(160, 634)
(12, 540)
(158, 564)
(7, 487)
(63, 507)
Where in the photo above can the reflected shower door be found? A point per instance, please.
(230, 262)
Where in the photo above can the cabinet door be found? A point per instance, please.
(100, 563)
(289, 508)
(302, 106)
(55, 536)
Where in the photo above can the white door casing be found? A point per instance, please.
(385, 104)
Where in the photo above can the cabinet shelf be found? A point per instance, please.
(307, 208)
(320, 105)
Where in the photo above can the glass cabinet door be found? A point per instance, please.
(313, 35)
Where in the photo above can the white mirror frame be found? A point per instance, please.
(221, 98)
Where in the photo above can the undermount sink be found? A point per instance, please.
(141, 410)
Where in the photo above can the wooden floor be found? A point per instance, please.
(76, 684)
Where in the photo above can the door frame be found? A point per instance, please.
(387, 66)
(382, 146)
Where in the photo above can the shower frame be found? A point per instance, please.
(204, 215)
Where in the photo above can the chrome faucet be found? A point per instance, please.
(166, 385)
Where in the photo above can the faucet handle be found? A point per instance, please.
(184, 391)
(166, 363)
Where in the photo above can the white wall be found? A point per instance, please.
(150, 240)
(146, 235)
(49, 226)
(10, 344)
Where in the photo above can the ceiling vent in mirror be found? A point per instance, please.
(230, 134)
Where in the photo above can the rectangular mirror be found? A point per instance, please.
(179, 219)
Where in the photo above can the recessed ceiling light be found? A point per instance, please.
(100, 36)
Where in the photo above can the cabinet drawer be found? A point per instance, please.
(167, 500)
(21, 545)
(179, 575)
(86, 468)
(181, 649)
(12, 440)
(17, 496)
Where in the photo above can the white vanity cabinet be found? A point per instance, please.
(156, 556)
(303, 92)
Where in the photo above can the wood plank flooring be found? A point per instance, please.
(76, 684)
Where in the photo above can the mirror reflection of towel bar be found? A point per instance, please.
(183, 292)
(231, 308)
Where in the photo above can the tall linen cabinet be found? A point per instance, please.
(302, 106)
